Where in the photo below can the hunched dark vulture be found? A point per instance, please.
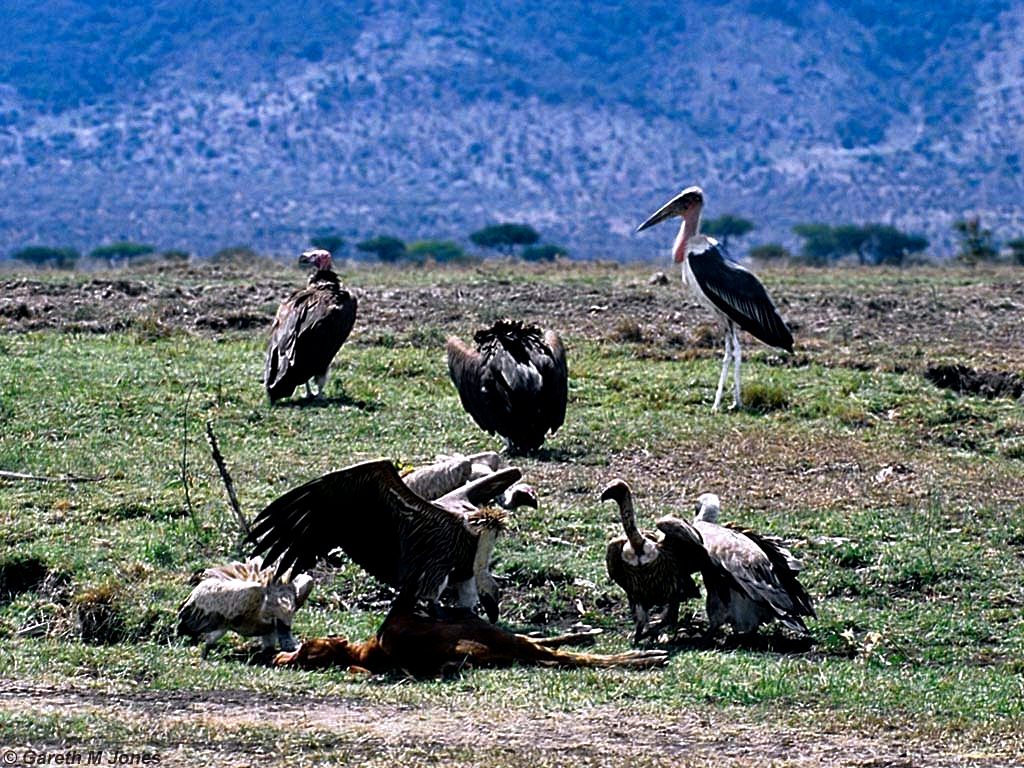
(309, 329)
(515, 383)
(414, 545)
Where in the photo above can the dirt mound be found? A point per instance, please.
(968, 381)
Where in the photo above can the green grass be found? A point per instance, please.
(904, 502)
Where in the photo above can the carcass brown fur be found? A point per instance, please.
(425, 646)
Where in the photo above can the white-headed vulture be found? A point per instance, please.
(764, 584)
(416, 546)
(515, 383)
(308, 330)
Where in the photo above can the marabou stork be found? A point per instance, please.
(308, 330)
(730, 291)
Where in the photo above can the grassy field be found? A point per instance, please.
(903, 500)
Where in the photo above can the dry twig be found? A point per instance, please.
(226, 478)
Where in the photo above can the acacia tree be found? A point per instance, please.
(505, 237)
(42, 255)
(976, 243)
(726, 226)
(384, 247)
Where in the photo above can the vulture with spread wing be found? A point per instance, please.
(515, 383)
(653, 569)
(414, 545)
(309, 329)
(763, 585)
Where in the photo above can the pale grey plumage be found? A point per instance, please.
(247, 599)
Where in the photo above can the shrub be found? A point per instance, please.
(121, 251)
(384, 247)
(543, 252)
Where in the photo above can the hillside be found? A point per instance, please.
(204, 126)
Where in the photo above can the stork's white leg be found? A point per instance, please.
(737, 402)
(725, 368)
(309, 391)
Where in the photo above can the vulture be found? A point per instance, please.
(515, 382)
(308, 330)
(733, 294)
(764, 584)
(247, 598)
(449, 473)
(409, 543)
(653, 569)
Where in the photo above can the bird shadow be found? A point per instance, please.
(777, 642)
(336, 401)
(545, 454)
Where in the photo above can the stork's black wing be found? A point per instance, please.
(309, 329)
(366, 510)
(739, 294)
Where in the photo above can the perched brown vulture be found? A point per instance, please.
(247, 598)
(764, 584)
(653, 568)
(515, 383)
(414, 545)
(309, 329)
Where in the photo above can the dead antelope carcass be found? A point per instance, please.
(426, 646)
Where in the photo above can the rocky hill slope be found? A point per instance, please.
(199, 126)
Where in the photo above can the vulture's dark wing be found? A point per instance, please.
(786, 568)
(466, 368)
(555, 371)
(365, 509)
(749, 564)
(308, 331)
(687, 546)
(740, 295)
(613, 559)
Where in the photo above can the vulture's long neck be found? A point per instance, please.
(628, 515)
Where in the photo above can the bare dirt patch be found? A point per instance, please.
(458, 734)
